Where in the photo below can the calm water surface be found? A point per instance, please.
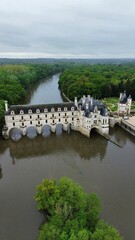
(98, 165)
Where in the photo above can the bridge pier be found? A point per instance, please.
(103, 131)
(24, 131)
(5, 132)
(65, 127)
(39, 129)
(53, 128)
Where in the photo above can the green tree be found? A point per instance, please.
(72, 214)
(104, 231)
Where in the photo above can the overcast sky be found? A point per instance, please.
(67, 28)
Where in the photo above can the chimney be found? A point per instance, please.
(75, 102)
(83, 100)
(87, 106)
(121, 95)
(91, 101)
(6, 105)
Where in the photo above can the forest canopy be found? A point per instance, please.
(71, 213)
(99, 80)
(16, 80)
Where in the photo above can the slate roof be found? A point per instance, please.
(41, 107)
(123, 98)
(91, 106)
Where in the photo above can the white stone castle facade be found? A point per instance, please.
(124, 105)
(80, 116)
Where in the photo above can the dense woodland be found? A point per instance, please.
(16, 80)
(71, 213)
(100, 80)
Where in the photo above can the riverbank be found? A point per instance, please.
(65, 98)
(16, 82)
(96, 164)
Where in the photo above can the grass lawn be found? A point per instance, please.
(112, 103)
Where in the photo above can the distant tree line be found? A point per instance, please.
(16, 80)
(99, 80)
(71, 213)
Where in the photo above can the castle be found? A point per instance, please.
(82, 116)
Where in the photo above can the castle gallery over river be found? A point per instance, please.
(82, 116)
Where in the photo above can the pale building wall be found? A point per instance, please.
(75, 118)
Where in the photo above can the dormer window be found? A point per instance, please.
(12, 112)
(38, 111)
(21, 112)
(72, 109)
(45, 110)
(59, 109)
(65, 109)
(30, 111)
(52, 110)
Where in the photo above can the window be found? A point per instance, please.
(65, 114)
(21, 112)
(72, 108)
(72, 119)
(22, 117)
(23, 124)
(38, 111)
(52, 110)
(37, 116)
(72, 114)
(46, 115)
(30, 117)
(30, 111)
(53, 121)
(65, 108)
(52, 115)
(12, 118)
(59, 109)
(39, 122)
(59, 119)
(13, 124)
(30, 122)
(12, 112)
(59, 114)
(46, 121)
(45, 110)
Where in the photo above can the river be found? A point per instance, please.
(98, 165)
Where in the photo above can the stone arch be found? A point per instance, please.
(15, 133)
(94, 129)
(46, 130)
(31, 132)
(116, 123)
(59, 128)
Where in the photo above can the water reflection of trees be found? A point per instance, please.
(86, 147)
(1, 175)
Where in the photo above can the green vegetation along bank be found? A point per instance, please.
(16, 80)
(71, 213)
(99, 80)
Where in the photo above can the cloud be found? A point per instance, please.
(40, 28)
